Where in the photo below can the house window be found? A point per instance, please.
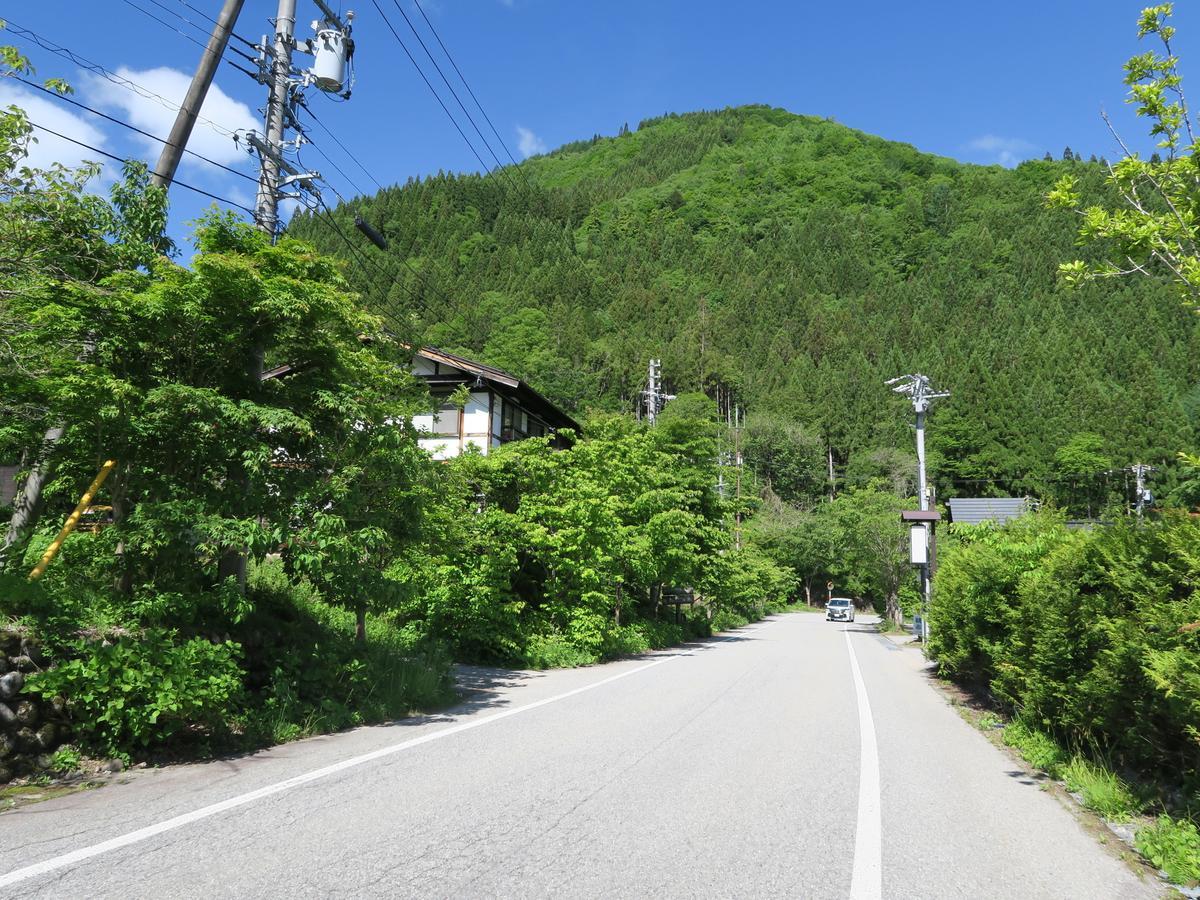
(514, 423)
(445, 420)
(506, 421)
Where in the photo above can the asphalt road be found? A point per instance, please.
(795, 758)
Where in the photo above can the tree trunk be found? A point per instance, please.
(617, 610)
(28, 504)
(360, 626)
(120, 510)
(232, 562)
(807, 594)
(892, 609)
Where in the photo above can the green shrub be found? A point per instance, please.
(66, 759)
(629, 640)
(549, 651)
(1086, 635)
(1102, 790)
(1036, 748)
(307, 675)
(1174, 846)
(141, 691)
(977, 594)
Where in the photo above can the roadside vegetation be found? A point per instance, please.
(1090, 642)
(1090, 639)
(273, 557)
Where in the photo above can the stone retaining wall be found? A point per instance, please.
(31, 728)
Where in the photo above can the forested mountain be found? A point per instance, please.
(799, 263)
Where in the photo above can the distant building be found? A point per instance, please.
(975, 510)
(501, 408)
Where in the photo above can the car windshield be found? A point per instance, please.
(839, 602)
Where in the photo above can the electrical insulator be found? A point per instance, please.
(331, 50)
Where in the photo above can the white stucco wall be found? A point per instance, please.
(475, 413)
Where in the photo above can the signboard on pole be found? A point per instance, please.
(918, 545)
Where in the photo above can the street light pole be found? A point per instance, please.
(920, 390)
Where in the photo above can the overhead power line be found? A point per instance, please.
(84, 63)
(484, 166)
(450, 88)
(212, 21)
(360, 256)
(124, 160)
(124, 124)
(343, 147)
(309, 142)
(361, 259)
(463, 78)
(175, 28)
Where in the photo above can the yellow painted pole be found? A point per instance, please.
(72, 520)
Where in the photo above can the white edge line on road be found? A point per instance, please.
(142, 834)
(867, 881)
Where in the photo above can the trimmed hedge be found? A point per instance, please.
(1090, 635)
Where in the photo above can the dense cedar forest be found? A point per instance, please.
(798, 264)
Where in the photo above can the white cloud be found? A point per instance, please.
(1003, 150)
(528, 143)
(152, 116)
(50, 149)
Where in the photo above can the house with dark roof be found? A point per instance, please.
(500, 407)
(975, 510)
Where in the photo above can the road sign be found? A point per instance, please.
(678, 596)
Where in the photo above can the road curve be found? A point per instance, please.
(758, 764)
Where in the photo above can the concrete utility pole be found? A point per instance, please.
(655, 398)
(185, 120)
(332, 49)
(266, 206)
(737, 458)
(920, 390)
(1140, 471)
(652, 393)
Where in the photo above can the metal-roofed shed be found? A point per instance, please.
(976, 510)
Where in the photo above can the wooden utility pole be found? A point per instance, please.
(185, 120)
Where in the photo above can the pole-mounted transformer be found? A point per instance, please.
(332, 51)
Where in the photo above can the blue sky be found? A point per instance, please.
(981, 82)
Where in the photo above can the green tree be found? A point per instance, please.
(1153, 227)
(873, 544)
(58, 244)
(786, 457)
(1081, 463)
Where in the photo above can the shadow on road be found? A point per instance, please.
(1033, 779)
(862, 627)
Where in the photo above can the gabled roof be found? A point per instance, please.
(433, 354)
(974, 510)
(501, 382)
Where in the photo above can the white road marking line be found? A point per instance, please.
(867, 880)
(143, 834)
